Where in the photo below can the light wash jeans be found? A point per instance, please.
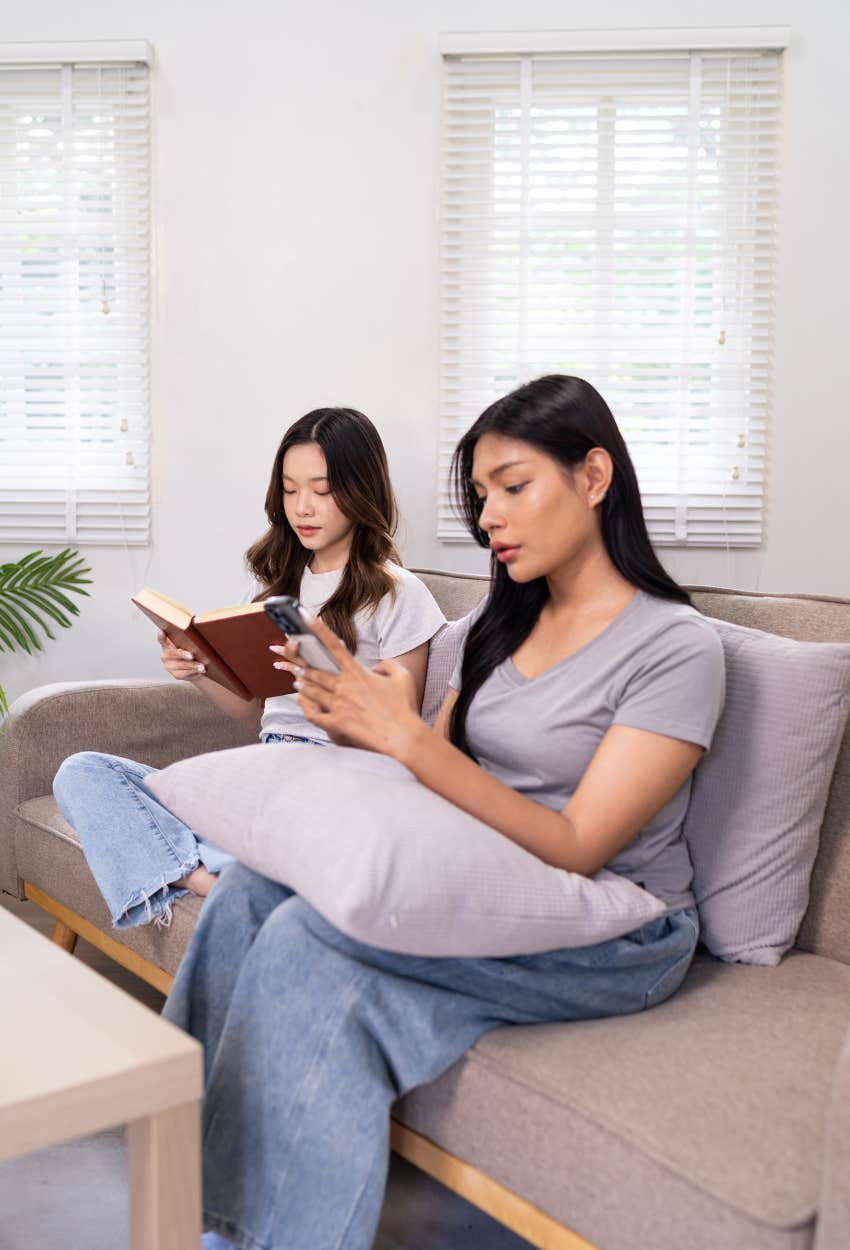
(310, 1036)
(136, 848)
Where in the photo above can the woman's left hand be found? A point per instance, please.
(372, 709)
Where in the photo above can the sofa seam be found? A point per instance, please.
(614, 1131)
(45, 828)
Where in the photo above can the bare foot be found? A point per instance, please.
(200, 881)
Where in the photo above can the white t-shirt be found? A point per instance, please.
(395, 627)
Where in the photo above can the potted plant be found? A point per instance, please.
(33, 591)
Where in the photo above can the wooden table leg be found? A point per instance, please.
(164, 1166)
(64, 937)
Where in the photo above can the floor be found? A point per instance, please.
(74, 1197)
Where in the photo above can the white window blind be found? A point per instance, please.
(74, 301)
(612, 215)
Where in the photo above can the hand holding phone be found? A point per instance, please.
(286, 612)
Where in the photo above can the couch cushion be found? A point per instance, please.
(698, 1123)
(49, 856)
(811, 618)
(759, 796)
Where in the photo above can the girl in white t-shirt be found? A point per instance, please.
(332, 515)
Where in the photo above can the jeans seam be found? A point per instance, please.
(183, 867)
(227, 1229)
(121, 770)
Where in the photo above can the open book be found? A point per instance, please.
(233, 643)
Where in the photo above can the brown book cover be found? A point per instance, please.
(233, 643)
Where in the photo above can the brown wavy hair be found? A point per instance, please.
(359, 479)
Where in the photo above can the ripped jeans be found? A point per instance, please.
(136, 848)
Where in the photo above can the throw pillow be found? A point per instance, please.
(759, 795)
(386, 860)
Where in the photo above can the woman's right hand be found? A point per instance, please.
(180, 664)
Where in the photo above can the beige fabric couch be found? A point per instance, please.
(719, 1120)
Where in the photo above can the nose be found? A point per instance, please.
(304, 504)
(488, 520)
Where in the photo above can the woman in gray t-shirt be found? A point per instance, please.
(587, 692)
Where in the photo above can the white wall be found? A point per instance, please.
(296, 265)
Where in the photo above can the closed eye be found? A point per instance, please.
(514, 490)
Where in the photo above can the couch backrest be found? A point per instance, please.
(811, 618)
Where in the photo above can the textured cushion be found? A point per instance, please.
(700, 1123)
(759, 796)
(446, 646)
(387, 860)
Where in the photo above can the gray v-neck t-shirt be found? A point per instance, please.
(657, 666)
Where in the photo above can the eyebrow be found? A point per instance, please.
(509, 464)
(321, 478)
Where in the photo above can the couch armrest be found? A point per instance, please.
(153, 722)
(833, 1223)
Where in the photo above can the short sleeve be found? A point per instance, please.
(406, 620)
(679, 687)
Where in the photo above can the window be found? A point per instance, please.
(74, 293)
(612, 214)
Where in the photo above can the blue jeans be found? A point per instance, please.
(136, 848)
(309, 1037)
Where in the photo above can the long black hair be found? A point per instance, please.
(564, 417)
(359, 480)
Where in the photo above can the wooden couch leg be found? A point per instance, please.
(64, 937)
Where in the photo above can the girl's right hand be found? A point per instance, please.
(180, 664)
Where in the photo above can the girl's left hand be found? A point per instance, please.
(372, 709)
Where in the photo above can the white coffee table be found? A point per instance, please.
(77, 1056)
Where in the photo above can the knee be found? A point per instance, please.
(239, 891)
(75, 771)
(300, 922)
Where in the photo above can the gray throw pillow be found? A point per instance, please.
(759, 795)
(386, 860)
(443, 654)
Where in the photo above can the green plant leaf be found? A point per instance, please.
(39, 599)
(7, 643)
(34, 590)
(20, 627)
(22, 611)
(4, 707)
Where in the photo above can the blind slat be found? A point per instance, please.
(616, 220)
(74, 302)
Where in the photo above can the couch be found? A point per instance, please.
(720, 1119)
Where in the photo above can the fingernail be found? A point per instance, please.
(202, 668)
(296, 685)
(278, 664)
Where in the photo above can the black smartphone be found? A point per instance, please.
(285, 611)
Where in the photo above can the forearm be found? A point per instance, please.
(449, 772)
(247, 713)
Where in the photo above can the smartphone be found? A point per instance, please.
(286, 611)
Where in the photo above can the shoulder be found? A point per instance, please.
(678, 628)
(674, 682)
(673, 648)
(409, 614)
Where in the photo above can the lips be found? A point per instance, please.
(307, 530)
(504, 551)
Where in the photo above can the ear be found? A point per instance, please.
(597, 472)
